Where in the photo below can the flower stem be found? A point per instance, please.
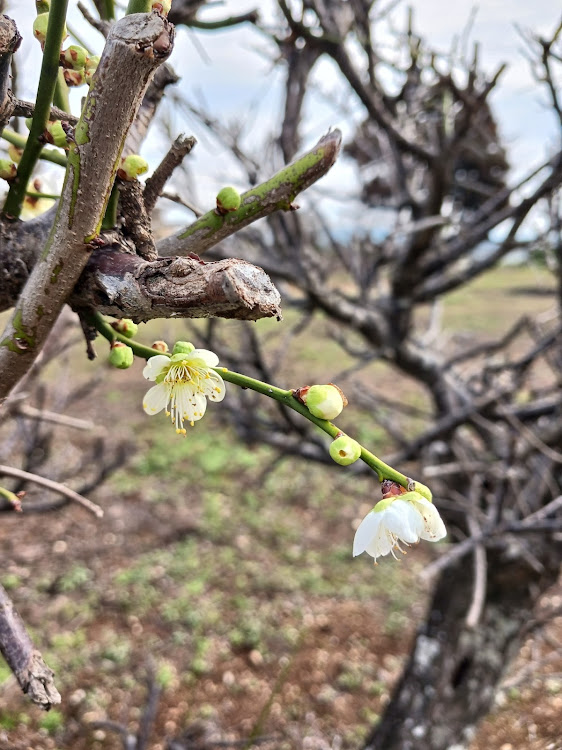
(138, 6)
(383, 471)
(45, 90)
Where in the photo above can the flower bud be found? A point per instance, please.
(121, 355)
(162, 6)
(40, 25)
(322, 401)
(131, 167)
(182, 347)
(160, 346)
(228, 199)
(8, 169)
(43, 6)
(56, 134)
(75, 77)
(92, 62)
(74, 57)
(28, 122)
(344, 450)
(15, 153)
(125, 327)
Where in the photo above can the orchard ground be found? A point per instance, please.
(230, 574)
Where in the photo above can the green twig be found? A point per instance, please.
(110, 216)
(383, 471)
(47, 79)
(47, 154)
(60, 96)
(107, 10)
(138, 6)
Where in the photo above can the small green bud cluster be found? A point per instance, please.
(182, 347)
(125, 327)
(8, 169)
(14, 152)
(79, 67)
(121, 355)
(40, 25)
(74, 58)
(322, 401)
(131, 167)
(228, 199)
(56, 134)
(344, 450)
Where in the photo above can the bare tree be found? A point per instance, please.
(428, 150)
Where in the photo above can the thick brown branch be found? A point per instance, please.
(123, 285)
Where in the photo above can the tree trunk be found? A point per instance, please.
(453, 672)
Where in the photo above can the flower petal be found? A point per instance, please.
(218, 389)
(382, 544)
(366, 532)
(155, 365)
(156, 398)
(402, 520)
(433, 526)
(210, 359)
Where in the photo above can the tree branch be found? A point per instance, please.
(34, 676)
(9, 42)
(135, 47)
(274, 195)
(123, 285)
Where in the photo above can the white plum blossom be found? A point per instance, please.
(184, 382)
(403, 518)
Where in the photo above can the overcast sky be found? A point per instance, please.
(232, 72)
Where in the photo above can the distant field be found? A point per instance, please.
(234, 572)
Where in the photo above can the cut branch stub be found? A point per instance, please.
(34, 676)
(123, 285)
(135, 47)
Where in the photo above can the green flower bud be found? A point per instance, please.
(324, 401)
(344, 450)
(8, 169)
(92, 62)
(75, 77)
(160, 346)
(131, 167)
(162, 6)
(74, 57)
(40, 27)
(28, 121)
(121, 355)
(228, 199)
(56, 135)
(125, 327)
(182, 347)
(43, 6)
(15, 153)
